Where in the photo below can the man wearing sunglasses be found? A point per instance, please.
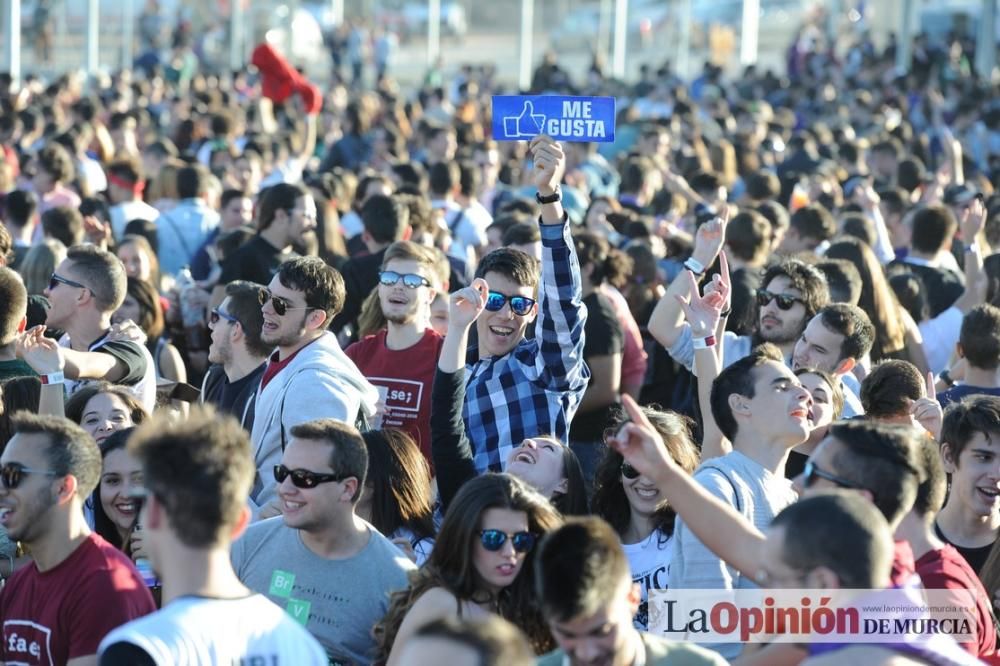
(83, 292)
(402, 357)
(518, 387)
(585, 589)
(202, 462)
(332, 571)
(236, 351)
(792, 293)
(57, 608)
(308, 376)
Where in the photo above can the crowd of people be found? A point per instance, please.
(304, 375)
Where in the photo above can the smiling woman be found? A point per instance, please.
(114, 510)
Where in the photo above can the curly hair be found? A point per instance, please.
(452, 568)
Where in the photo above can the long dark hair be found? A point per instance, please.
(400, 480)
(610, 501)
(573, 502)
(451, 564)
(17, 393)
(78, 401)
(103, 524)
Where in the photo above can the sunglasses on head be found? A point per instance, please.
(11, 474)
(493, 540)
(519, 305)
(55, 280)
(216, 314)
(280, 305)
(811, 472)
(785, 302)
(411, 280)
(303, 478)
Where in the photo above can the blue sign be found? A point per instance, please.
(521, 117)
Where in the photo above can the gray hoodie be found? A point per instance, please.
(320, 382)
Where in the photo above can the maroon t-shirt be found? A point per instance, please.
(407, 375)
(946, 569)
(64, 613)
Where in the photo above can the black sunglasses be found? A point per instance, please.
(11, 474)
(785, 302)
(629, 472)
(55, 280)
(411, 280)
(519, 305)
(493, 540)
(216, 314)
(303, 478)
(811, 472)
(281, 306)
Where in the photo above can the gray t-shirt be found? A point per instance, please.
(338, 601)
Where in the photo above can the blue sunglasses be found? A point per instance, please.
(519, 305)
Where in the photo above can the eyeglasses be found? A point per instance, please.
(55, 280)
(303, 478)
(493, 540)
(629, 472)
(519, 305)
(281, 306)
(785, 302)
(811, 472)
(216, 314)
(411, 280)
(12, 474)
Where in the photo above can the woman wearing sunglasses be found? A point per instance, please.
(542, 462)
(482, 563)
(637, 510)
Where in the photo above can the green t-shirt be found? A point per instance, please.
(15, 368)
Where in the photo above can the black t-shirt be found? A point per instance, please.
(941, 286)
(976, 557)
(745, 282)
(130, 354)
(603, 337)
(257, 261)
(126, 654)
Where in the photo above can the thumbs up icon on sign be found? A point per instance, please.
(528, 124)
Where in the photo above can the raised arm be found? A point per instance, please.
(704, 316)
(716, 524)
(450, 447)
(976, 283)
(559, 364)
(666, 324)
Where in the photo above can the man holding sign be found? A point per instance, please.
(522, 387)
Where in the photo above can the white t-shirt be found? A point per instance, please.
(421, 547)
(199, 630)
(649, 561)
(126, 211)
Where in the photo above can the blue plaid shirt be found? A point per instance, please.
(536, 388)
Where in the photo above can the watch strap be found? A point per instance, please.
(548, 198)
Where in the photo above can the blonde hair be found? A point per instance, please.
(40, 263)
(423, 255)
(164, 184)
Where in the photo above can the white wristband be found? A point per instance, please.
(703, 343)
(694, 266)
(52, 378)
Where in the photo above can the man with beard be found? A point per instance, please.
(78, 587)
(792, 293)
(308, 376)
(237, 352)
(401, 358)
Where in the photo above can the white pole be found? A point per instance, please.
(604, 31)
(128, 40)
(433, 31)
(338, 13)
(12, 38)
(527, 28)
(236, 27)
(621, 37)
(986, 53)
(684, 43)
(93, 45)
(749, 32)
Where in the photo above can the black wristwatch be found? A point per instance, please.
(551, 198)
